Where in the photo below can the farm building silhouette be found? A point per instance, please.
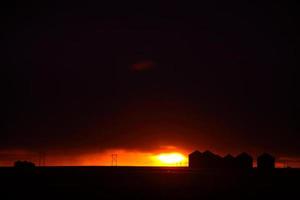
(265, 162)
(208, 160)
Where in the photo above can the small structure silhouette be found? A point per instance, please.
(244, 161)
(265, 162)
(24, 164)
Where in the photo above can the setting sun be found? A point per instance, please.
(171, 158)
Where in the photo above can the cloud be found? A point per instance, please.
(143, 65)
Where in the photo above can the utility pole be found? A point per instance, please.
(114, 159)
(42, 159)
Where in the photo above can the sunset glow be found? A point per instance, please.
(171, 158)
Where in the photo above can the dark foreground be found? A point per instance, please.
(147, 183)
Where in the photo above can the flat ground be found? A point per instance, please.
(147, 183)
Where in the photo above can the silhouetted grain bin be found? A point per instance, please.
(265, 162)
(195, 159)
(244, 161)
(229, 161)
(211, 160)
(205, 160)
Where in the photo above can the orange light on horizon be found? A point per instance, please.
(163, 156)
(171, 159)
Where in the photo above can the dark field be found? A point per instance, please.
(147, 183)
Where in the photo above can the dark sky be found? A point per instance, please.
(85, 77)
